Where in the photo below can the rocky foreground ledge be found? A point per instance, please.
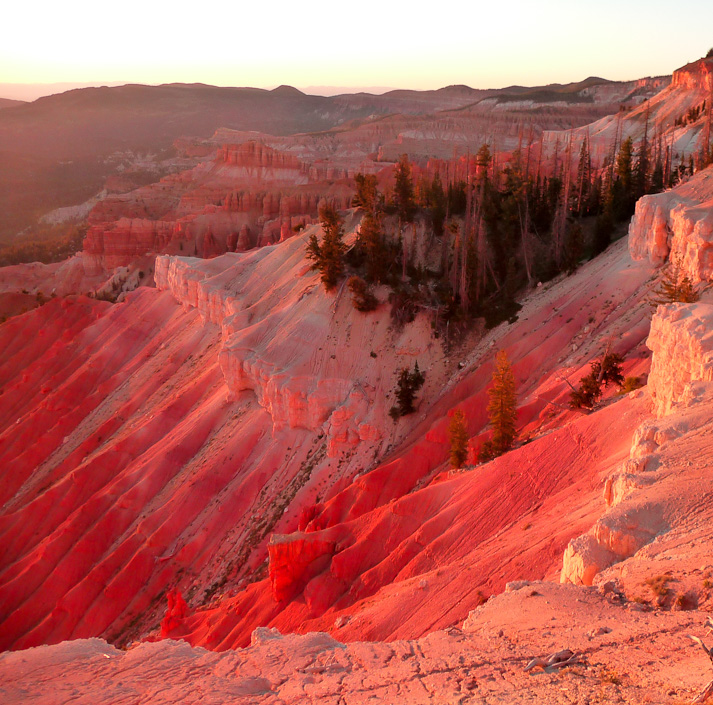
(622, 653)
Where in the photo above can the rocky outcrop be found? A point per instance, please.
(123, 242)
(175, 613)
(60, 278)
(617, 535)
(681, 339)
(295, 559)
(248, 195)
(677, 226)
(698, 75)
(256, 357)
(261, 162)
(583, 558)
(304, 401)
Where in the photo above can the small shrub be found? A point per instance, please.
(362, 299)
(630, 384)
(408, 384)
(486, 452)
(658, 585)
(676, 287)
(606, 372)
(610, 676)
(587, 394)
(403, 307)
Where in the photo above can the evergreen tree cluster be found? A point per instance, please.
(492, 230)
(502, 415)
(691, 115)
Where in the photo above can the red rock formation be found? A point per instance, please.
(247, 188)
(245, 240)
(176, 611)
(697, 75)
(257, 154)
(124, 241)
(294, 560)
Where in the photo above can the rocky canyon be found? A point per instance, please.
(206, 495)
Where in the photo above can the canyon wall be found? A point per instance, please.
(247, 195)
(240, 402)
(660, 114)
(698, 76)
(677, 226)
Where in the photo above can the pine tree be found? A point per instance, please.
(624, 195)
(371, 242)
(436, 202)
(458, 437)
(367, 194)
(483, 160)
(676, 286)
(405, 202)
(605, 372)
(502, 410)
(403, 191)
(328, 257)
(584, 174)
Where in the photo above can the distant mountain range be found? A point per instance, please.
(54, 151)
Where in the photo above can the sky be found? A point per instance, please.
(364, 43)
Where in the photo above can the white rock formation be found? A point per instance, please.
(677, 225)
(681, 339)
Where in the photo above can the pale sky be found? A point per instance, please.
(417, 45)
